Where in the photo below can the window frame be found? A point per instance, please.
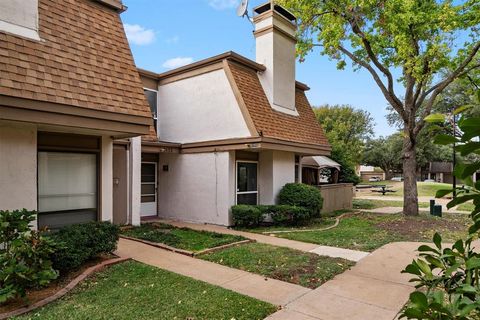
(237, 162)
(155, 118)
(98, 181)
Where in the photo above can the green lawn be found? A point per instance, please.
(306, 269)
(132, 290)
(181, 238)
(368, 231)
(425, 189)
(466, 207)
(373, 204)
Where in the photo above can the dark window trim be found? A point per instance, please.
(98, 160)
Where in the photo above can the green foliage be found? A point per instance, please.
(347, 173)
(24, 255)
(288, 215)
(347, 129)
(253, 216)
(384, 153)
(302, 195)
(247, 215)
(422, 45)
(82, 242)
(450, 276)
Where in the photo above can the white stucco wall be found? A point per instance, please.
(277, 52)
(200, 108)
(276, 168)
(18, 166)
(197, 187)
(106, 184)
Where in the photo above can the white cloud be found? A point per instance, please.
(138, 35)
(177, 62)
(172, 40)
(223, 4)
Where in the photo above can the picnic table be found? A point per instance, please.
(384, 189)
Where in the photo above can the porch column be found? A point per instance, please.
(135, 160)
(106, 201)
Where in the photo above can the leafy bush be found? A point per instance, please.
(253, 216)
(247, 215)
(290, 215)
(450, 276)
(24, 255)
(82, 242)
(302, 195)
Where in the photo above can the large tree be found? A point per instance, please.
(346, 127)
(383, 152)
(420, 46)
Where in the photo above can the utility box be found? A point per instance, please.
(437, 210)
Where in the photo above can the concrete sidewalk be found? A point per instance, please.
(334, 252)
(373, 289)
(270, 290)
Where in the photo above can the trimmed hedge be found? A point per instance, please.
(302, 195)
(247, 215)
(82, 242)
(253, 216)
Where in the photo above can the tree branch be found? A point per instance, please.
(368, 47)
(391, 99)
(439, 87)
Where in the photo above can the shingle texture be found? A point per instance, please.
(151, 136)
(83, 60)
(303, 128)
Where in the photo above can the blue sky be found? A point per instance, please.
(164, 34)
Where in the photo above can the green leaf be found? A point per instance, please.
(435, 117)
(412, 269)
(413, 313)
(437, 240)
(425, 248)
(470, 169)
(473, 263)
(424, 267)
(419, 299)
(442, 193)
(462, 109)
(444, 139)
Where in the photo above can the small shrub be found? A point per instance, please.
(247, 215)
(289, 215)
(82, 242)
(24, 255)
(253, 216)
(302, 195)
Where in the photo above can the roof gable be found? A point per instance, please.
(83, 60)
(303, 128)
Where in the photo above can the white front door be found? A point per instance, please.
(149, 189)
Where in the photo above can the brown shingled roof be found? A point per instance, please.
(83, 60)
(303, 128)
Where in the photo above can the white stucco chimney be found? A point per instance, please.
(275, 29)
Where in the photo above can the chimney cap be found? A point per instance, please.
(279, 9)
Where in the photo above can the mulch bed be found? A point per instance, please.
(37, 298)
(411, 227)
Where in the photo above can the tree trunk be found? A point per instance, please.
(410, 193)
(388, 173)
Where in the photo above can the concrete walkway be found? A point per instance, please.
(270, 290)
(334, 252)
(373, 289)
